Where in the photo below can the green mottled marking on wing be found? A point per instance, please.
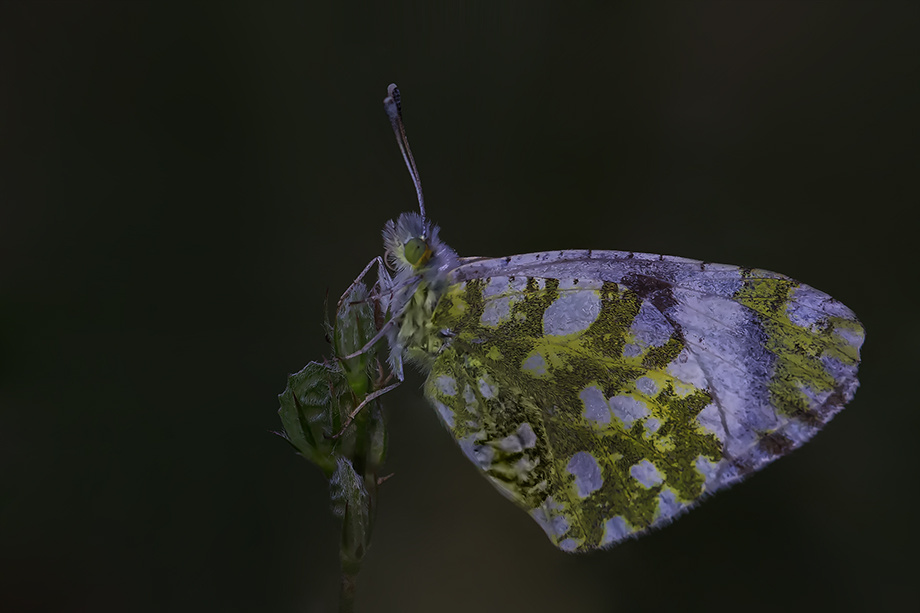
(492, 396)
(799, 350)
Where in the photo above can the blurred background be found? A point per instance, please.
(181, 185)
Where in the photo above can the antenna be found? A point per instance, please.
(393, 106)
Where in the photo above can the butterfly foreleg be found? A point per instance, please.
(381, 270)
(400, 377)
(384, 329)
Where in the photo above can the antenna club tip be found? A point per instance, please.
(393, 95)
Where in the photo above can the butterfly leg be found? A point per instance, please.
(382, 275)
(372, 396)
(380, 334)
(380, 271)
(353, 414)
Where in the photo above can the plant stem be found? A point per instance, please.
(348, 585)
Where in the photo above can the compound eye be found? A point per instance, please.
(417, 251)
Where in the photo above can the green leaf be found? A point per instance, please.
(354, 327)
(310, 412)
(351, 502)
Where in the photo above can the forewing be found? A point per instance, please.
(606, 392)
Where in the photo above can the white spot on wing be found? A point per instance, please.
(645, 473)
(534, 364)
(587, 473)
(631, 350)
(550, 519)
(497, 301)
(573, 311)
(496, 311)
(446, 385)
(596, 407)
(523, 438)
(710, 472)
(668, 505)
(615, 529)
(527, 435)
(568, 544)
(647, 386)
(487, 388)
(628, 409)
(495, 286)
(469, 397)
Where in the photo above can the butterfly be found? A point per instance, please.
(607, 392)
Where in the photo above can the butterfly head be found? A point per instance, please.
(414, 249)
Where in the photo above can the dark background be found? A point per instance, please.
(180, 186)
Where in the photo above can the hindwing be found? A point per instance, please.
(607, 392)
